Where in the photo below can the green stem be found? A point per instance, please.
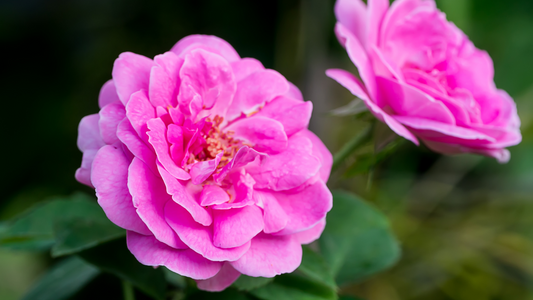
(127, 289)
(357, 141)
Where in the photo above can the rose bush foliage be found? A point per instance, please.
(205, 159)
(424, 78)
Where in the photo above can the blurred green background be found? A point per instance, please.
(465, 223)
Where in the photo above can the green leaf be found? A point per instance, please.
(315, 267)
(227, 294)
(248, 283)
(63, 280)
(34, 230)
(295, 286)
(74, 235)
(114, 257)
(357, 241)
(363, 163)
(175, 279)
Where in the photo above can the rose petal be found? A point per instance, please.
(110, 117)
(212, 195)
(200, 171)
(312, 234)
(321, 152)
(305, 208)
(89, 133)
(110, 179)
(198, 237)
(224, 278)
(157, 138)
(149, 197)
(353, 15)
(165, 80)
(235, 227)
(208, 42)
(182, 197)
(265, 134)
(149, 251)
(269, 256)
(131, 73)
(255, 90)
(108, 94)
(293, 114)
(274, 216)
(288, 169)
(246, 66)
(135, 145)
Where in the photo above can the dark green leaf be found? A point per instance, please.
(34, 230)
(357, 241)
(114, 257)
(247, 283)
(227, 294)
(363, 163)
(349, 298)
(315, 267)
(294, 286)
(74, 235)
(174, 278)
(62, 280)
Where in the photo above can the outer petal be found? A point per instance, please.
(110, 117)
(360, 58)
(139, 111)
(208, 42)
(89, 133)
(293, 114)
(83, 173)
(501, 155)
(353, 15)
(151, 252)
(149, 197)
(321, 152)
(306, 208)
(110, 179)
(265, 134)
(288, 169)
(235, 227)
(428, 129)
(199, 238)
(255, 90)
(269, 256)
(376, 12)
(312, 234)
(165, 80)
(131, 73)
(294, 92)
(350, 82)
(221, 281)
(108, 94)
(246, 66)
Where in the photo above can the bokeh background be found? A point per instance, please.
(465, 223)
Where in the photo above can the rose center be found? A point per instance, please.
(216, 141)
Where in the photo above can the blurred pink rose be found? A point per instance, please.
(206, 160)
(424, 78)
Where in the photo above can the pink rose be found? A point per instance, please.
(205, 159)
(424, 78)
